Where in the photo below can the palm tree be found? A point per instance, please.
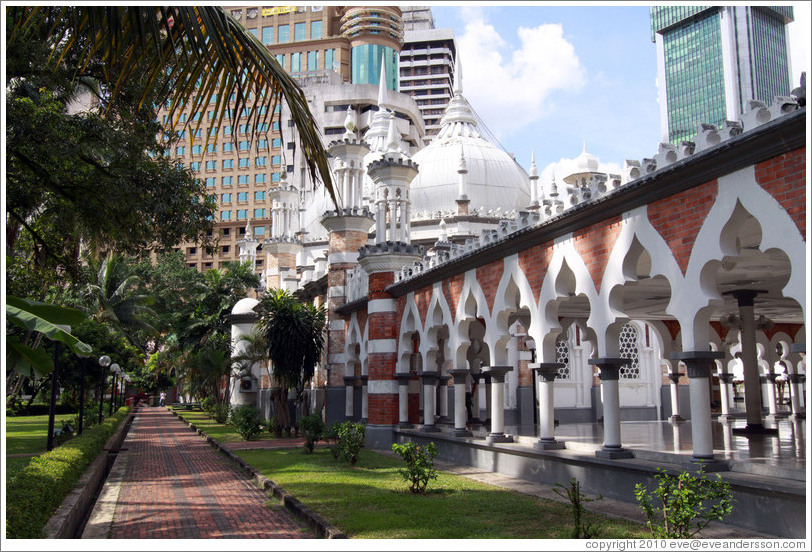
(207, 55)
(294, 334)
(112, 297)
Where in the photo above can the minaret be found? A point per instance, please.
(462, 196)
(534, 183)
(284, 244)
(553, 206)
(349, 226)
(248, 247)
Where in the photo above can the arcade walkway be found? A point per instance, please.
(172, 484)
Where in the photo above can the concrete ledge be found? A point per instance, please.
(317, 523)
(67, 519)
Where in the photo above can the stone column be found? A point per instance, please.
(364, 398)
(674, 385)
(497, 394)
(442, 407)
(547, 372)
(725, 381)
(460, 414)
(429, 398)
(749, 358)
(610, 393)
(349, 386)
(698, 364)
(476, 398)
(486, 382)
(796, 383)
(403, 399)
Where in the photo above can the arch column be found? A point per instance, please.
(442, 401)
(429, 398)
(674, 386)
(547, 372)
(795, 383)
(349, 387)
(610, 393)
(476, 398)
(725, 381)
(698, 364)
(364, 398)
(403, 399)
(460, 376)
(497, 385)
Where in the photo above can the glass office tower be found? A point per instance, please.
(712, 60)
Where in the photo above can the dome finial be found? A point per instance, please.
(534, 172)
(584, 147)
(382, 84)
(457, 75)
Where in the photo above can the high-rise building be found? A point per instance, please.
(712, 60)
(317, 45)
(427, 65)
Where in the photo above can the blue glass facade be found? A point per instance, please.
(366, 65)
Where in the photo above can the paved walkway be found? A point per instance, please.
(173, 485)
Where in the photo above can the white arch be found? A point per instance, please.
(497, 331)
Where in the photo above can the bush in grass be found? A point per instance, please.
(220, 413)
(688, 503)
(351, 436)
(419, 464)
(331, 438)
(313, 429)
(207, 406)
(577, 499)
(37, 491)
(245, 420)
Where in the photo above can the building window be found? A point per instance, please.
(225, 249)
(312, 61)
(225, 198)
(629, 350)
(261, 161)
(227, 180)
(244, 145)
(267, 35)
(281, 59)
(197, 149)
(262, 144)
(299, 31)
(284, 34)
(242, 180)
(243, 162)
(243, 129)
(210, 182)
(242, 196)
(211, 165)
(275, 125)
(259, 196)
(275, 177)
(246, 111)
(260, 179)
(228, 146)
(259, 231)
(180, 150)
(259, 213)
(195, 165)
(315, 30)
(296, 62)
(211, 148)
(262, 127)
(276, 160)
(228, 163)
(276, 143)
(225, 215)
(242, 214)
(227, 130)
(329, 59)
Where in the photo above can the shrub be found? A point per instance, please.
(580, 529)
(313, 429)
(207, 406)
(351, 436)
(220, 413)
(331, 438)
(38, 490)
(419, 464)
(245, 420)
(686, 501)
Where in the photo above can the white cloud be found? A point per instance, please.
(799, 42)
(497, 78)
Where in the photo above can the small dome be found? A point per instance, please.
(586, 162)
(245, 306)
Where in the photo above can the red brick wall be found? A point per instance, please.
(594, 245)
(534, 263)
(348, 240)
(784, 177)
(383, 409)
(488, 277)
(452, 288)
(678, 219)
(422, 298)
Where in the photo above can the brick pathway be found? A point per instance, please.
(177, 486)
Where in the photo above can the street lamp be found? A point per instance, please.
(104, 362)
(82, 365)
(115, 371)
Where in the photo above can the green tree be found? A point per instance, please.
(294, 333)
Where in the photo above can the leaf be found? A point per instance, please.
(30, 321)
(53, 313)
(25, 360)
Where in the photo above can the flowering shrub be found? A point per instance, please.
(419, 464)
(245, 420)
(351, 436)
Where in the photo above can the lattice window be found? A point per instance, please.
(562, 355)
(629, 350)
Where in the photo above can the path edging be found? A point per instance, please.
(316, 522)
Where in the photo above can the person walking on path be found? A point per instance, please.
(163, 397)
(176, 486)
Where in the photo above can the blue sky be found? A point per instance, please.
(597, 83)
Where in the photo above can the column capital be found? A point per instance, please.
(403, 377)
(429, 378)
(726, 377)
(698, 363)
(444, 379)
(497, 373)
(460, 374)
(609, 366)
(744, 297)
(364, 379)
(797, 348)
(547, 370)
(675, 376)
(349, 380)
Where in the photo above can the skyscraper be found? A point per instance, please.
(711, 60)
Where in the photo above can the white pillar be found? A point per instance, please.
(547, 373)
(610, 393)
(349, 385)
(725, 380)
(429, 396)
(772, 404)
(460, 414)
(749, 357)
(674, 386)
(442, 407)
(403, 399)
(497, 396)
(364, 398)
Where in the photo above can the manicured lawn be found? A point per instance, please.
(371, 500)
(224, 433)
(27, 434)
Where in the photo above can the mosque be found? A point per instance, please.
(596, 325)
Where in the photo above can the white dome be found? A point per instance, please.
(494, 179)
(586, 162)
(245, 306)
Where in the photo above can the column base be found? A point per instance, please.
(797, 416)
(676, 418)
(725, 418)
(430, 429)
(776, 417)
(707, 465)
(614, 453)
(754, 429)
(405, 425)
(498, 438)
(548, 444)
(462, 433)
(444, 420)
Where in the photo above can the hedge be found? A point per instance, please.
(39, 489)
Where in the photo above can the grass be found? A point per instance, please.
(372, 501)
(224, 433)
(27, 435)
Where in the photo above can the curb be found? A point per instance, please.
(316, 522)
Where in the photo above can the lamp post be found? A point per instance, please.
(114, 369)
(82, 361)
(54, 384)
(104, 362)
